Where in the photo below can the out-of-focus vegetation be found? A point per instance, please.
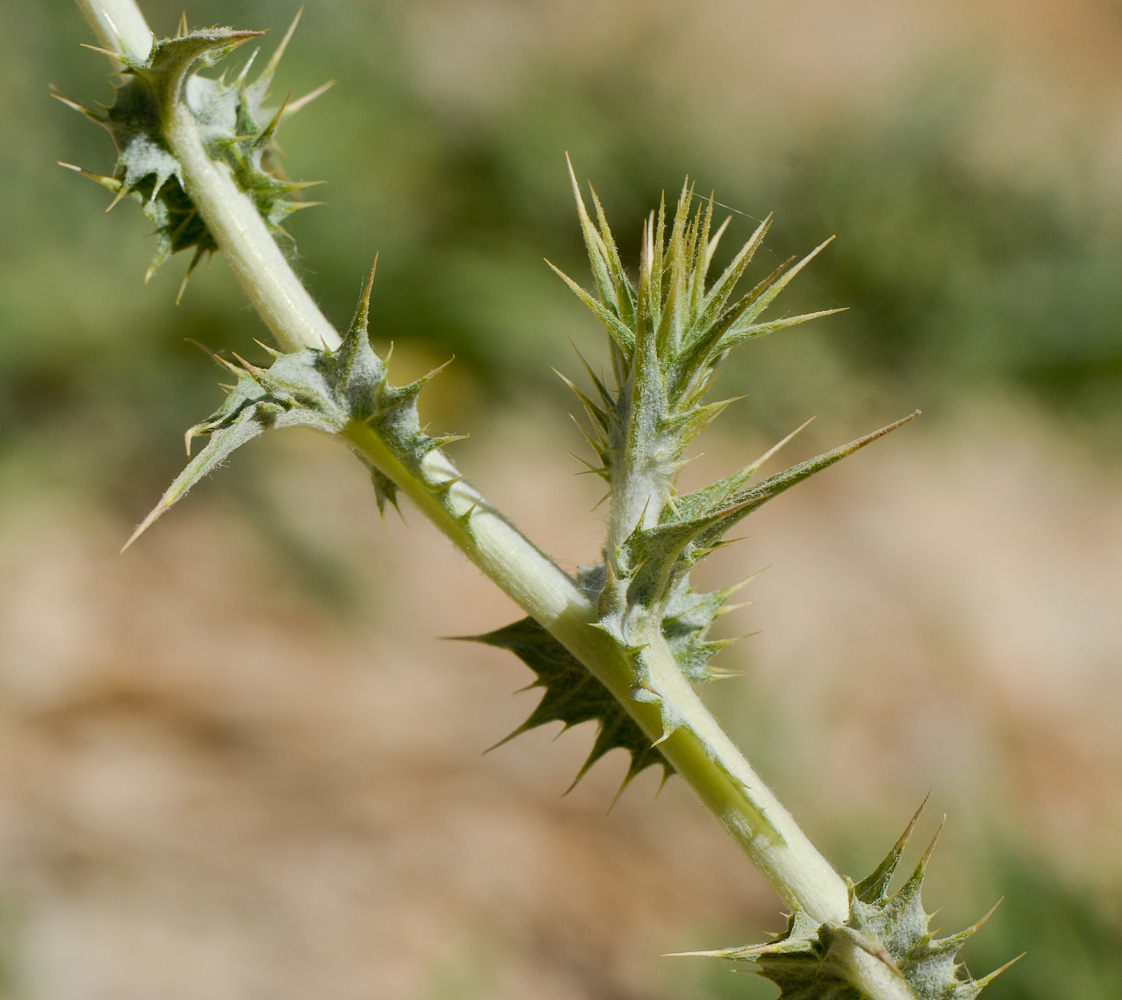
(974, 265)
(960, 279)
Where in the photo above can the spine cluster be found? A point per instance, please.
(234, 122)
(667, 334)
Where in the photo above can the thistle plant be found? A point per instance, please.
(624, 641)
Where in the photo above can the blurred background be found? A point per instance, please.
(236, 763)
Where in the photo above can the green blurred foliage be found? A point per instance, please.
(1072, 946)
(959, 282)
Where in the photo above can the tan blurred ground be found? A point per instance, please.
(212, 786)
(212, 790)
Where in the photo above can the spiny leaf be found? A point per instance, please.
(231, 119)
(659, 557)
(625, 301)
(600, 257)
(385, 491)
(293, 392)
(685, 625)
(619, 332)
(755, 303)
(259, 89)
(708, 498)
(325, 390)
(875, 885)
(572, 696)
(743, 502)
(716, 297)
(809, 961)
(667, 333)
(760, 329)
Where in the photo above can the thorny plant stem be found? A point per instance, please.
(698, 749)
(268, 281)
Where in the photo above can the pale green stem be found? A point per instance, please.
(697, 748)
(271, 286)
(736, 795)
(120, 27)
